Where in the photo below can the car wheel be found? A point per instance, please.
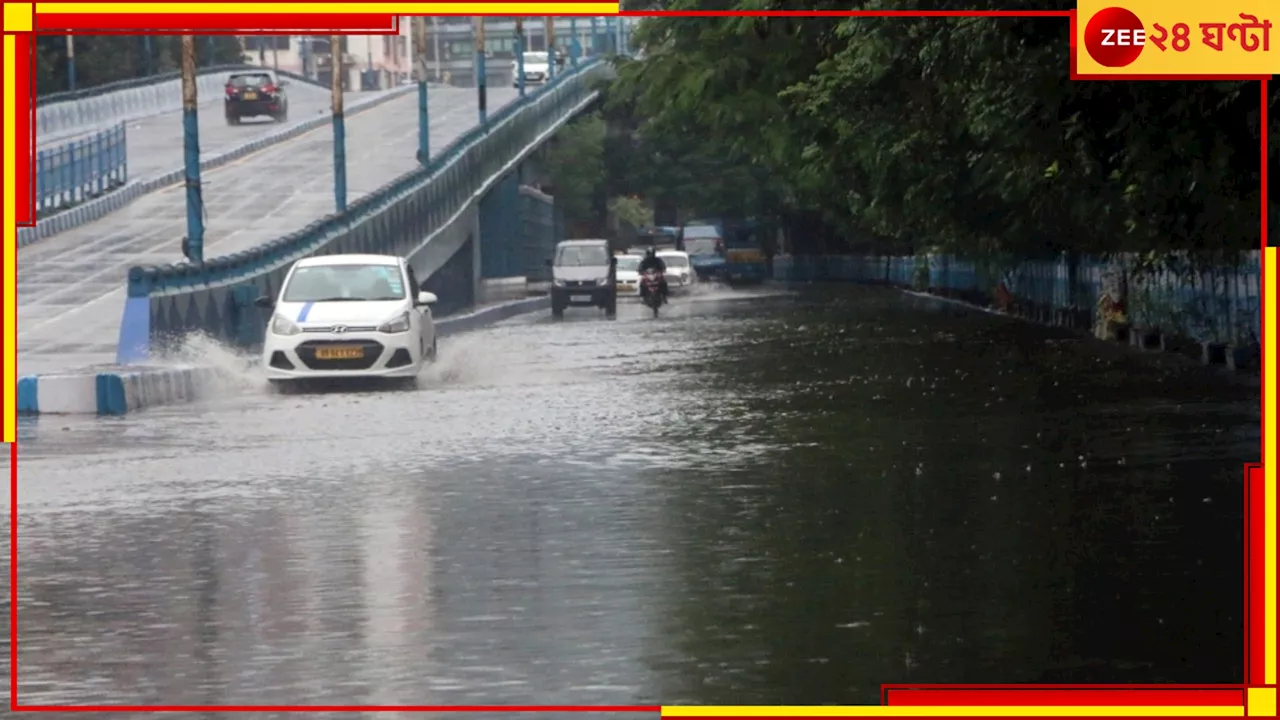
(284, 387)
(435, 350)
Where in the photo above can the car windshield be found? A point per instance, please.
(582, 256)
(240, 81)
(629, 263)
(675, 261)
(700, 246)
(535, 57)
(345, 283)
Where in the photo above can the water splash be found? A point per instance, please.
(237, 370)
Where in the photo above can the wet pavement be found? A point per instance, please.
(71, 287)
(760, 497)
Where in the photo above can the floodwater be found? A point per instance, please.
(760, 497)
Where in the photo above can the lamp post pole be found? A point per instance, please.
(339, 126)
(424, 125)
(193, 244)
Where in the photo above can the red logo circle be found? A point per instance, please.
(1114, 37)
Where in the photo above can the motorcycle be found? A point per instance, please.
(651, 289)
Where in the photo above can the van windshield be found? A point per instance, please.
(582, 256)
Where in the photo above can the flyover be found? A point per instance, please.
(71, 287)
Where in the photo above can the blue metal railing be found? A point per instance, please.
(1218, 304)
(80, 170)
(410, 206)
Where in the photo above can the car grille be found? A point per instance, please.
(307, 354)
(347, 328)
(580, 283)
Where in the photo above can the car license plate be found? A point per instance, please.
(251, 96)
(341, 352)
(580, 298)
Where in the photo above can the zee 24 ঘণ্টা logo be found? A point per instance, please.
(1115, 37)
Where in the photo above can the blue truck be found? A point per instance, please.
(744, 255)
(704, 241)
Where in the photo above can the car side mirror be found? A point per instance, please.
(613, 262)
(264, 302)
(426, 298)
(548, 263)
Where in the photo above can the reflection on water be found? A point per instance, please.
(776, 500)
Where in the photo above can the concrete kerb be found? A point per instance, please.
(119, 390)
(101, 207)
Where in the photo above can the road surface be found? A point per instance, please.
(754, 499)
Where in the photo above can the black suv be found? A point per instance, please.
(250, 94)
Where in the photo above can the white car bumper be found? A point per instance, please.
(676, 280)
(330, 355)
(628, 287)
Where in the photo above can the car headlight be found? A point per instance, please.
(603, 281)
(281, 325)
(398, 325)
(558, 282)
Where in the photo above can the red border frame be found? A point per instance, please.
(896, 694)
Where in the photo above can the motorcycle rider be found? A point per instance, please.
(651, 261)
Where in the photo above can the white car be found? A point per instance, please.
(628, 275)
(679, 272)
(535, 69)
(342, 316)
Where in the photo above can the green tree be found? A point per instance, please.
(960, 133)
(575, 164)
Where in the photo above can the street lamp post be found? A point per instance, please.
(520, 54)
(424, 126)
(193, 244)
(575, 48)
(339, 126)
(435, 39)
(480, 69)
(146, 54)
(551, 48)
(71, 62)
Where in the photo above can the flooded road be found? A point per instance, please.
(758, 498)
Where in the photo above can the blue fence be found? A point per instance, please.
(424, 214)
(1218, 304)
(80, 170)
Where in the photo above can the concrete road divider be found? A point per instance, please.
(113, 391)
(490, 315)
(119, 390)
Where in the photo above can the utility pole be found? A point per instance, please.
(424, 126)
(146, 54)
(193, 244)
(480, 69)
(551, 48)
(520, 54)
(575, 47)
(275, 52)
(71, 62)
(339, 126)
(435, 39)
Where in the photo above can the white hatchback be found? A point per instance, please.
(341, 316)
(679, 272)
(628, 275)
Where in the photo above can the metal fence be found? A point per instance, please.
(1220, 304)
(81, 170)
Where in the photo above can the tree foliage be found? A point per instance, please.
(575, 164)
(960, 133)
(102, 59)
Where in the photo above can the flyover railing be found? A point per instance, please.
(80, 170)
(68, 111)
(1216, 304)
(401, 215)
